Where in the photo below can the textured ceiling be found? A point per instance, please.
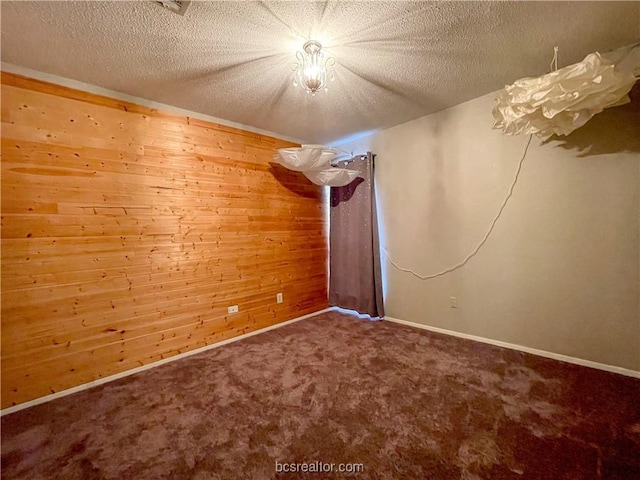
(395, 60)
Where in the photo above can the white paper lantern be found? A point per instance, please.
(560, 102)
(307, 157)
(315, 162)
(332, 177)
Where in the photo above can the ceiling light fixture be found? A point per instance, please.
(312, 71)
(317, 162)
(562, 101)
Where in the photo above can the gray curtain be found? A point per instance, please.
(355, 278)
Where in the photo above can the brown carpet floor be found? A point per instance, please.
(403, 402)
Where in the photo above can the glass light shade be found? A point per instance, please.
(312, 70)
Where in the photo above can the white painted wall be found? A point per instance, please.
(560, 272)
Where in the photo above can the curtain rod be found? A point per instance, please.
(354, 157)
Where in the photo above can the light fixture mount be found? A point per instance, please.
(312, 71)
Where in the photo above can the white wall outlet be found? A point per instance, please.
(453, 302)
(279, 298)
(232, 309)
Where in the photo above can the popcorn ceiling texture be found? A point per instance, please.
(395, 60)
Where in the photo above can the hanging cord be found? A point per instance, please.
(553, 66)
(484, 239)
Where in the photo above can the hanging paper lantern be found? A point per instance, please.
(332, 177)
(560, 102)
(315, 162)
(307, 157)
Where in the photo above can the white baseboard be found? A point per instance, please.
(533, 351)
(111, 378)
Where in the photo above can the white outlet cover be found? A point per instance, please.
(453, 302)
(232, 309)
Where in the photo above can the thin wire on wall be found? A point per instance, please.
(484, 239)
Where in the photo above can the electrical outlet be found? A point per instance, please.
(279, 298)
(232, 309)
(453, 302)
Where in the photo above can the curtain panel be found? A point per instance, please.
(355, 277)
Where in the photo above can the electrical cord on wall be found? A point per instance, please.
(484, 239)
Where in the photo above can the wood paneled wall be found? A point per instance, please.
(127, 232)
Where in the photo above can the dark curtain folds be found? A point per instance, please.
(355, 280)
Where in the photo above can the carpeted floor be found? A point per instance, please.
(403, 402)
